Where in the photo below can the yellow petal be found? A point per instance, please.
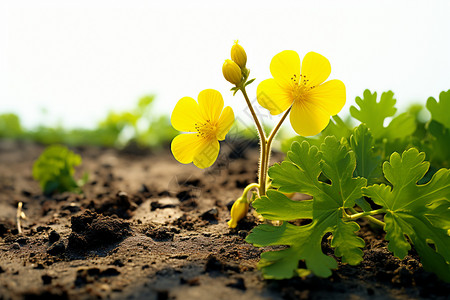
(308, 119)
(185, 114)
(273, 96)
(207, 153)
(225, 122)
(185, 146)
(211, 104)
(284, 66)
(316, 68)
(330, 96)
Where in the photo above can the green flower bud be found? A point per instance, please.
(232, 72)
(238, 55)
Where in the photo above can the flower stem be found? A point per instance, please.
(265, 163)
(247, 189)
(276, 128)
(262, 138)
(262, 134)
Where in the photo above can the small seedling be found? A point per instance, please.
(340, 167)
(55, 169)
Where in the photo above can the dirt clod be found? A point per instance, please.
(160, 234)
(56, 248)
(91, 229)
(53, 236)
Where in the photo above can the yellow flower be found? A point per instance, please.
(238, 55)
(313, 102)
(205, 123)
(238, 211)
(232, 72)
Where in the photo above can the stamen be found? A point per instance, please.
(206, 130)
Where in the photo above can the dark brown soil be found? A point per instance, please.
(148, 227)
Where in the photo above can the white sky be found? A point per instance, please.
(79, 59)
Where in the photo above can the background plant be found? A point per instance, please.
(55, 169)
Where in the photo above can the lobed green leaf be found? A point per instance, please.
(301, 174)
(416, 213)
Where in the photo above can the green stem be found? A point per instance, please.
(262, 138)
(375, 221)
(367, 215)
(268, 148)
(276, 128)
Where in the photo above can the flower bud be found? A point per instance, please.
(238, 55)
(238, 211)
(231, 72)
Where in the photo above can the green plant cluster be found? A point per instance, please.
(55, 168)
(139, 125)
(358, 173)
(402, 132)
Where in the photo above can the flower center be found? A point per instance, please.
(207, 130)
(300, 87)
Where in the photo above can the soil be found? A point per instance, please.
(148, 227)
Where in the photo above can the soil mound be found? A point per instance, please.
(91, 229)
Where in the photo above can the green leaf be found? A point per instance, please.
(304, 242)
(368, 164)
(347, 244)
(401, 126)
(54, 170)
(276, 206)
(440, 111)
(336, 127)
(416, 213)
(301, 174)
(438, 149)
(249, 82)
(374, 113)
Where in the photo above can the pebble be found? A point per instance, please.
(53, 236)
(210, 215)
(57, 248)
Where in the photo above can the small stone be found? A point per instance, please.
(144, 189)
(26, 193)
(122, 195)
(72, 207)
(110, 272)
(15, 246)
(238, 284)
(210, 215)
(22, 240)
(46, 279)
(53, 236)
(42, 228)
(57, 248)
(39, 267)
(3, 230)
(118, 263)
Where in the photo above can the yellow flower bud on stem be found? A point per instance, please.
(238, 55)
(232, 72)
(240, 207)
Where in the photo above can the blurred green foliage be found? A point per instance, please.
(54, 170)
(139, 125)
(10, 126)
